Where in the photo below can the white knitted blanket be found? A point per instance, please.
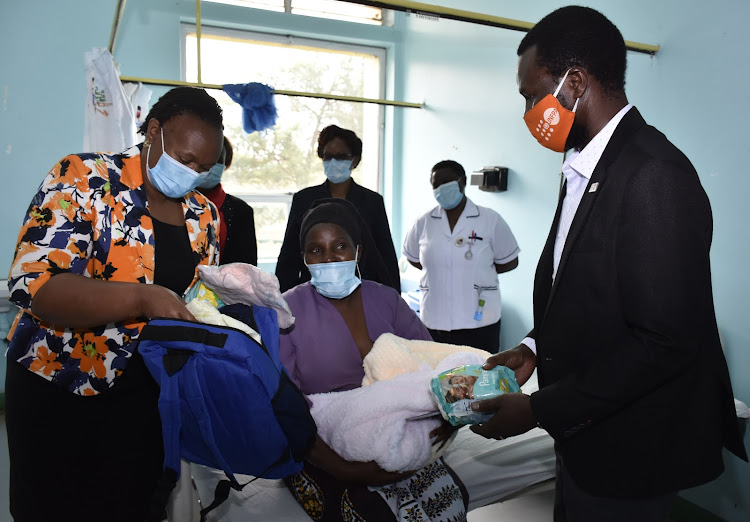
(391, 356)
(370, 423)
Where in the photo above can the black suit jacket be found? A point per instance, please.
(634, 385)
(241, 245)
(290, 268)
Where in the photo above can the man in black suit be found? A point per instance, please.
(634, 385)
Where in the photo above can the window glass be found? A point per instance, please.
(338, 11)
(268, 5)
(270, 215)
(321, 8)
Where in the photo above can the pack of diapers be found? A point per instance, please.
(455, 390)
(202, 292)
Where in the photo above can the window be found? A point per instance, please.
(338, 11)
(320, 8)
(268, 167)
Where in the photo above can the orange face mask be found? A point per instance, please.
(549, 122)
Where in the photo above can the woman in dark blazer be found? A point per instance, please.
(341, 150)
(237, 243)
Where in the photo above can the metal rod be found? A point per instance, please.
(115, 26)
(178, 83)
(198, 34)
(477, 18)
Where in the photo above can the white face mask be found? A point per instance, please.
(337, 171)
(335, 280)
(170, 177)
(214, 176)
(448, 195)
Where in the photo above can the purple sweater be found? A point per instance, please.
(319, 352)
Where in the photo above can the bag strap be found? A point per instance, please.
(171, 421)
(160, 497)
(268, 328)
(221, 493)
(185, 334)
(197, 405)
(169, 410)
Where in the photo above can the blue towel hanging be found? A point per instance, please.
(258, 107)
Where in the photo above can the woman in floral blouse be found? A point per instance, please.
(109, 241)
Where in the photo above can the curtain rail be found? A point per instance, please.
(115, 26)
(177, 83)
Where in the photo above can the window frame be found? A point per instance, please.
(330, 44)
(327, 44)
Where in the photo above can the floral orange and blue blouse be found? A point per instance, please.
(90, 217)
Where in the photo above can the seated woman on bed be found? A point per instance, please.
(337, 319)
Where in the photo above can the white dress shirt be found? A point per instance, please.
(577, 169)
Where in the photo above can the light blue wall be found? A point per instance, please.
(466, 75)
(42, 88)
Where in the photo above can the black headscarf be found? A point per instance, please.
(344, 214)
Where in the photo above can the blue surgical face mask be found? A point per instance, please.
(170, 177)
(337, 171)
(448, 195)
(335, 280)
(214, 176)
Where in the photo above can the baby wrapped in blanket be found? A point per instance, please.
(370, 423)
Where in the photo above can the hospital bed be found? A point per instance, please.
(492, 470)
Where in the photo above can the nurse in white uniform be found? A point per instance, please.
(460, 248)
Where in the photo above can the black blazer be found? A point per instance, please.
(291, 270)
(241, 245)
(634, 385)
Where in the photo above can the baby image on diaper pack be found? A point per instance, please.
(456, 389)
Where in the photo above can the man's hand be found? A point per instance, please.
(519, 359)
(513, 416)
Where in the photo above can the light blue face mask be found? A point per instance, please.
(335, 280)
(448, 195)
(170, 177)
(214, 176)
(337, 171)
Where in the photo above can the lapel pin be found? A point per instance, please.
(593, 187)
